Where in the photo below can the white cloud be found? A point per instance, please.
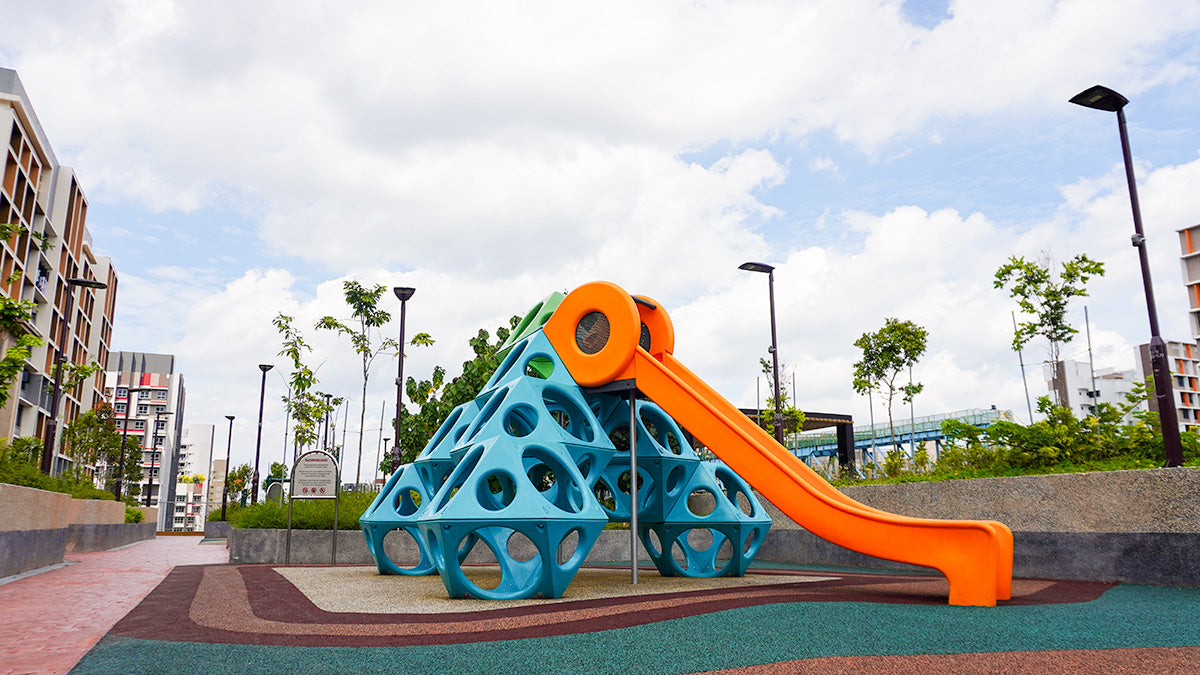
(488, 154)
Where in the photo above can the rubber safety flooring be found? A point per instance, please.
(271, 619)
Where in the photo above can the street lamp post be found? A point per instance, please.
(770, 272)
(262, 393)
(325, 429)
(1103, 98)
(228, 453)
(52, 423)
(130, 390)
(379, 459)
(153, 447)
(403, 293)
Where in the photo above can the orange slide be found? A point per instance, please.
(603, 334)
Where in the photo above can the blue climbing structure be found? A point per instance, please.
(534, 468)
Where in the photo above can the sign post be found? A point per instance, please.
(314, 476)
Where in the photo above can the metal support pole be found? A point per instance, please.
(52, 423)
(1164, 392)
(130, 390)
(402, 294)
(51, 434)
(778, 421)
(150, 471)
(225, 483)
(633, 488)
(1094, 396)
(1021, 360)
(262, 393)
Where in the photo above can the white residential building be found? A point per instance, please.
(152, 420)
(1076, 390)
(192, 503)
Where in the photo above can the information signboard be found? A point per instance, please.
(315, 476)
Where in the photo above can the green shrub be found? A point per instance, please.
(133, 515)
(21, 470)
(307, 514)
(1114, 437)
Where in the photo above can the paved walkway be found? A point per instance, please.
(50, 620)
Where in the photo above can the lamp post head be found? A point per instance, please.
(757, 267)
(229, 417)
(1100, 97)
(403, 292)
(87, 283)
(265, 366)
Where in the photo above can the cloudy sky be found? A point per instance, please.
(243, 159)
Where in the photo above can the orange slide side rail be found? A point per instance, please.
(975, 556)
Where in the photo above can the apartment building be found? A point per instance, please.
(192, 500)
(1183, 359)
(1079, 389)
(148, 399)
(44, 211)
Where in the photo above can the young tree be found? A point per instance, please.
(238, 481)
(436, 399)
(365, 338)
(92, 439)
(16, 342)
(278, 470)
(793, 417)
(306, 408)
(885, 354)
(1038, 293)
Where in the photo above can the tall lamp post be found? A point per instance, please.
(228, 452)
(262, 393)
(379, 460)
(403, 293)
(1103, 98)
(52, 423)
(325, 429)
(770, 272)
(130, 401)
(153, 448)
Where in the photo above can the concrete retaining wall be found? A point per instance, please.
(1124, 526)
(101, 537)
(315, 546)
(1127, 526)
(37, 527)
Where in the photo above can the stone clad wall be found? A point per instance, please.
(23, 508)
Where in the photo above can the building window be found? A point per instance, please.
(143, 409)
(161, 394)
(122, 392)
(158, 441)
(119, 408)
(179, 520)
(139, 424)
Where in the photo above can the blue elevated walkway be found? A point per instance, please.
(922, 429)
